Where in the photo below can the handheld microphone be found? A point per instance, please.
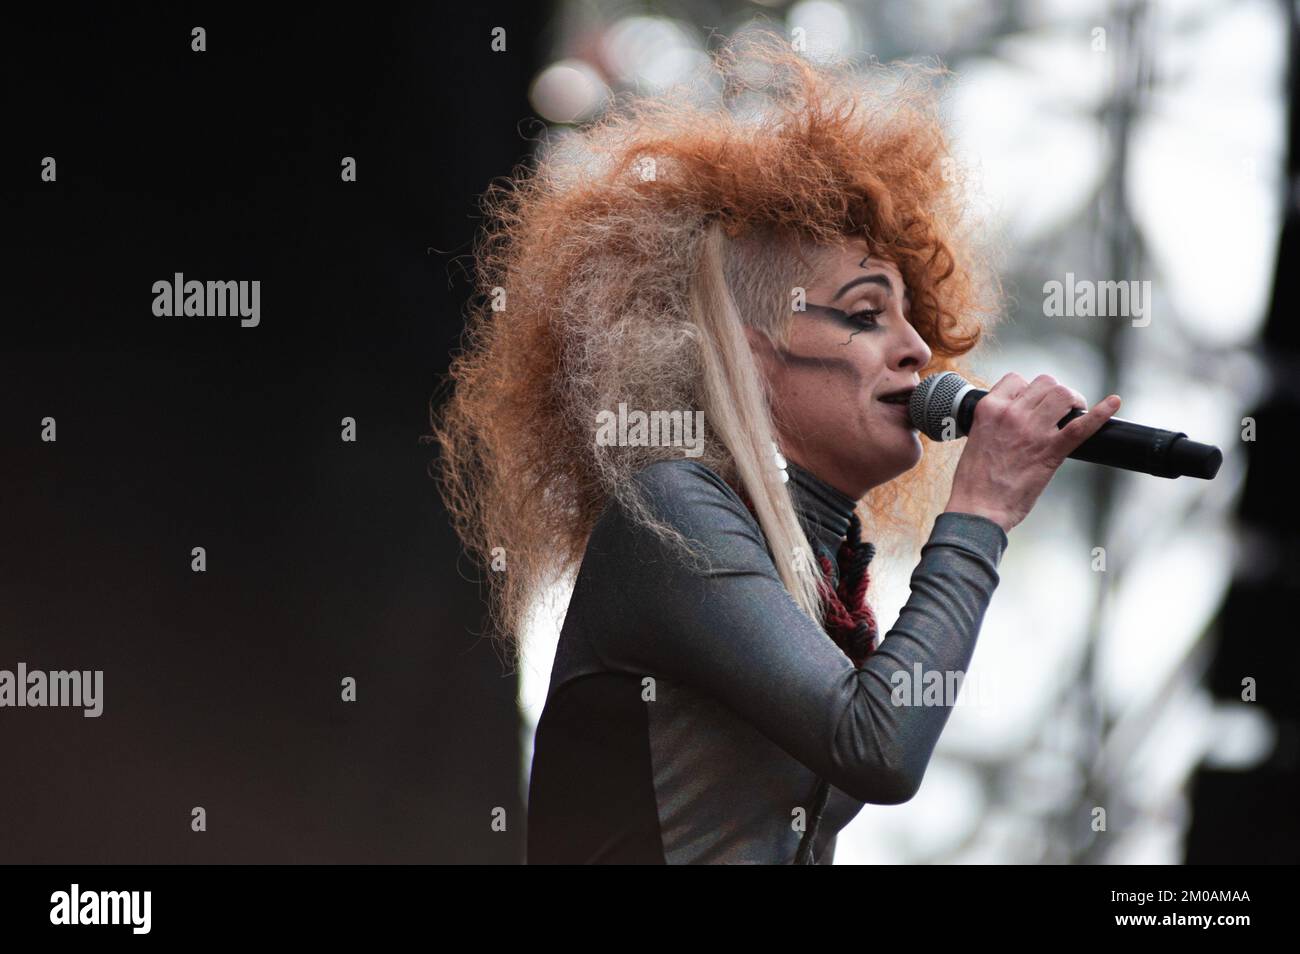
(946, 399)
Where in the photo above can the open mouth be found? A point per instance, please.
(898, 397)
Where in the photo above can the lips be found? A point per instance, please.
(901, 396)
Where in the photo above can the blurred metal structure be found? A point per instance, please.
(1249, 814)
(1105, 772)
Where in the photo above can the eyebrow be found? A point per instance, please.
(877, 278)
(880, 280)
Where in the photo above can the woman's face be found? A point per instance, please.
(851, 347)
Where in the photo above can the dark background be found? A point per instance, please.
(325, 559)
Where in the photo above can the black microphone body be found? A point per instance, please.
(943, 407)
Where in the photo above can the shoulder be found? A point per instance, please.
(687, 497)
(650, 601)
(684, 479)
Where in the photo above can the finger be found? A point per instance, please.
(1009, 386)
(1038, 389)
(1084, 426)
(1056, 403)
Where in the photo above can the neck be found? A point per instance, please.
(825, 510)
(853, 488)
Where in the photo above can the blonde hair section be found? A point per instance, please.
(736, 403)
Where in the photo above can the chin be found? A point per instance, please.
(900, 463)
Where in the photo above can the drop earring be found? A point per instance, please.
(780, 463)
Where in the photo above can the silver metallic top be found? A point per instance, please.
(693, 708)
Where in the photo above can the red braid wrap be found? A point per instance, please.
(850, 622)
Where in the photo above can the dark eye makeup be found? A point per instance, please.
(865, 318)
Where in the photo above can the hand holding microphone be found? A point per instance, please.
(1025, 432)
(1015, 445)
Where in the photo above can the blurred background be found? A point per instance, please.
(1132, 659)
(1148, 142)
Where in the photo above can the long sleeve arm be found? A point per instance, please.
(732, 630)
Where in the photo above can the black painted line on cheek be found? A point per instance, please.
(841, 366)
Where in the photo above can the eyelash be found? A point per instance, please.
(871, 313)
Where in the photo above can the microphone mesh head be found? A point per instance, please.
(932, 402)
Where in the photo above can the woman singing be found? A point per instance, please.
(780, 263)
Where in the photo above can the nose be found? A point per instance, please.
(910, 352)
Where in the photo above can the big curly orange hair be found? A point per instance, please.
(588, 272)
